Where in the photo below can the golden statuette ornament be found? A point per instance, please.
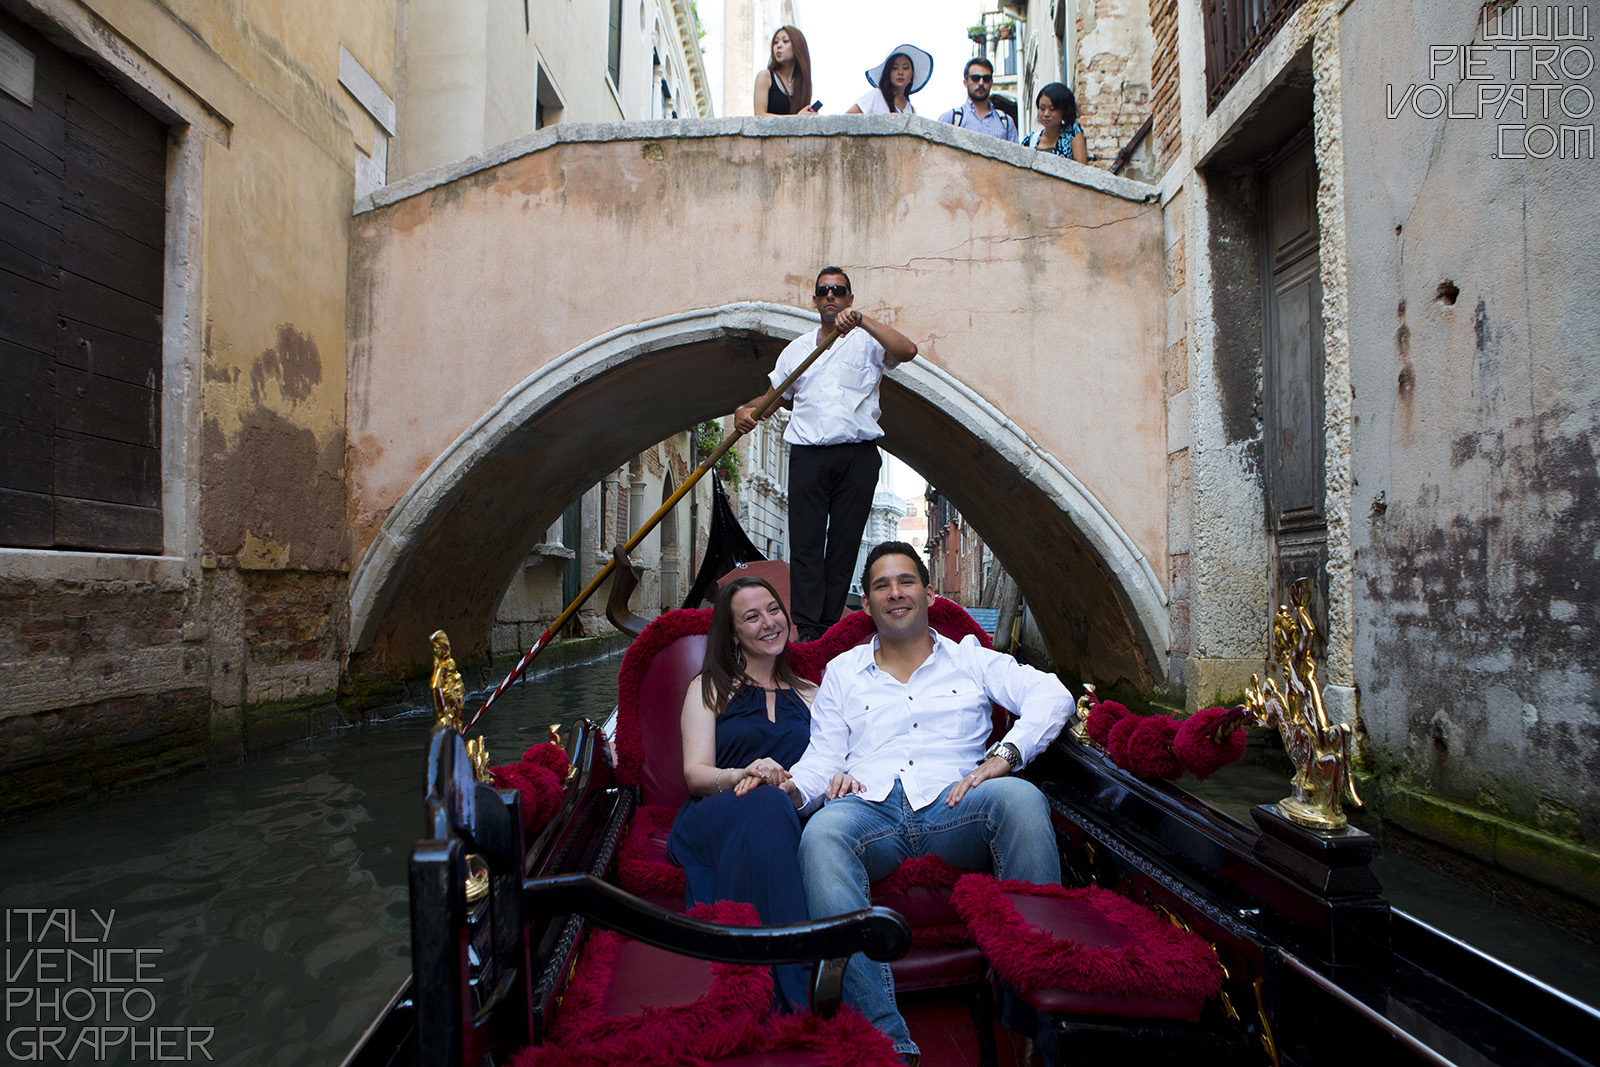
(1320, 749)
(1078, 728)
(448, 692)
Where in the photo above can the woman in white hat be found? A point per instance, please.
(907, 70)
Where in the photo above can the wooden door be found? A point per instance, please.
(82, 225)
(1292, 375)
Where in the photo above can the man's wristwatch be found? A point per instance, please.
(1008, 752)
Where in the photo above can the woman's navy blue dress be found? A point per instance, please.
(747, 848)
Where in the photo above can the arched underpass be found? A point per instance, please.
(445, 555)
(533, 306)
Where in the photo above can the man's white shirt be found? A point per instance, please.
(836, 399)
(929, 731)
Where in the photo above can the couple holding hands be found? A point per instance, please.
(887, 758)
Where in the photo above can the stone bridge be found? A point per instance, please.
(524, 321)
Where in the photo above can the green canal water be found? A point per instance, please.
(256, 914)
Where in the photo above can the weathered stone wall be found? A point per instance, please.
(1476, 376)
(1462, 391)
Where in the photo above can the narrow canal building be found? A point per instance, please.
(175, 543)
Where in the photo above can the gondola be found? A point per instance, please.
(1309, 963)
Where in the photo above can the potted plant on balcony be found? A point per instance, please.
(977, 33)
(1007, 30)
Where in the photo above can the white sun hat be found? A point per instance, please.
(921, 67)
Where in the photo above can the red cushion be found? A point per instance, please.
(1087, 950)
(661, 695)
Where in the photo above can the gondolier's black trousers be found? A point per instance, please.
(830, 497)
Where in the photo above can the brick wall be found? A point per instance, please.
(1164, 81)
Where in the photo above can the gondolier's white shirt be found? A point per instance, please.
(836, 399)
(929, 731)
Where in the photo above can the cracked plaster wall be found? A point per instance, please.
(980, 250)
(1476, 378)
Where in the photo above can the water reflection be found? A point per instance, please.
(273, 892)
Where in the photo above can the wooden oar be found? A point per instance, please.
(768, 402)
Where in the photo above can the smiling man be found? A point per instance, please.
(833, 450)
(898, 734)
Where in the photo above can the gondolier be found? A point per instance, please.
(833, 453)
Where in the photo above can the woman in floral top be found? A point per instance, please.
(1059, 131)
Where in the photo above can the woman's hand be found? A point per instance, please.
(763, 771)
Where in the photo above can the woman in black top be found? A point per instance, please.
(784, 88)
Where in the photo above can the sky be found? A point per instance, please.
(848, 36)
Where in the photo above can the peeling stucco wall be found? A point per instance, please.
(1475, 369)
(125, 667)
(976, 248)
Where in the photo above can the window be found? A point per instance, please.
(614, 45)
(82, 255)
(548, 105)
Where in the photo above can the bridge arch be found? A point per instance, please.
(446, 549)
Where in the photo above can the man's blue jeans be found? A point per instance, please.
(1003, 824)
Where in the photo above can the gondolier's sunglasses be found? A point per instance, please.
(833, 290)
(980, 77)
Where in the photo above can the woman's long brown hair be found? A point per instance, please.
(722, 676)
(800, 97)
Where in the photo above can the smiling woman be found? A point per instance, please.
(745, 722)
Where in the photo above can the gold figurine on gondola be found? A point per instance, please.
(1320, 749)
(449, 697)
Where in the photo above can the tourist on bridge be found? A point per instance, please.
(905, 71)
(898, 730)
(978, 113)
(1059, 131)
(784, 87)
(833, 447)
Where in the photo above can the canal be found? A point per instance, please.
(265, 901)
(263, 905)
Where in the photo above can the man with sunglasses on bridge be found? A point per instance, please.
(978, 113)
(833, 451)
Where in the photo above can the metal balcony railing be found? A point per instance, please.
(1236, 32)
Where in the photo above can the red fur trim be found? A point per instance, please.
(1162, 961)
(639, 871)
(739, 999)
(1149, 749)
(1102, 717)
(925, 872)
(1195, 745)
(665, 629)
(1117, 739)
(540, 777)
(846, 1040)
(551, 757)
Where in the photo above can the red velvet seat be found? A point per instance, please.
(1070, 961)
